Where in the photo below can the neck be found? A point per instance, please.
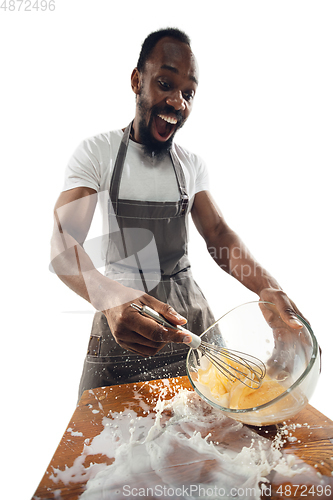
(135, 131)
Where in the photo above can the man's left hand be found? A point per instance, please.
(286, 307)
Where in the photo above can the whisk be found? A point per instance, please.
(234, 365)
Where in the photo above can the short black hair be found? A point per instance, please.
(152, 39)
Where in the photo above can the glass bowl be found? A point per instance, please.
(291, 357)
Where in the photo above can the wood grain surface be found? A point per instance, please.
(312, 442)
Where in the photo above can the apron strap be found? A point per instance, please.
(118, 168)
(184, 200)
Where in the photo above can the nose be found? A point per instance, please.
(177, 101)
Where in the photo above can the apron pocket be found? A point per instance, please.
(94, 345)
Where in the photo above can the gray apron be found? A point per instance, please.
(130, 222)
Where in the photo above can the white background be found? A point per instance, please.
(262, 120)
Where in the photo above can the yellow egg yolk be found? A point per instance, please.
(234, 393)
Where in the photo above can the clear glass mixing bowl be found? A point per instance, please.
(291, 357)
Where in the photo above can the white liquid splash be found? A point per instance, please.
(187, 449)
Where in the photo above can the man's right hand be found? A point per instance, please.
(140, 334)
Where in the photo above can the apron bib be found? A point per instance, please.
(131, 224)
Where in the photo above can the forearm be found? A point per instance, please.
(130, 329)
(231, 255)
(74, 267)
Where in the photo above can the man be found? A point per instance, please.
(152, 186)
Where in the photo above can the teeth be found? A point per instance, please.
(168, 119)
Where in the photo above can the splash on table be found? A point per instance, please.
(184, 449)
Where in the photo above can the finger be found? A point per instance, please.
(141, 349)
(149, 328)
(299, 312)
(289, 317)
(166, 310)
(129, 322)
(126, 335)
(284, 307)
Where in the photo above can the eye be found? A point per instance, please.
(188, 96)
(165, 85)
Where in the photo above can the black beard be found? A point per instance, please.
(151, 146)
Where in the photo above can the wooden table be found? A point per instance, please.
(311, 443)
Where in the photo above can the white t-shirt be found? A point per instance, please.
(143, 178)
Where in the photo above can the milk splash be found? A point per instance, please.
(184, 449)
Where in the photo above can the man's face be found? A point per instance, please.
(165, 91)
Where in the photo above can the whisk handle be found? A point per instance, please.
(148, 311)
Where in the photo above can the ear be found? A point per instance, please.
(136, 81)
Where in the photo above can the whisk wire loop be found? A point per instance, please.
(250, 374)
(240, 366)
(235, 365)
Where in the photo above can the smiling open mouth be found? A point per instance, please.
(163, 127)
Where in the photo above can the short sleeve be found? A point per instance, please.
(202, 177)
(84, 168)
